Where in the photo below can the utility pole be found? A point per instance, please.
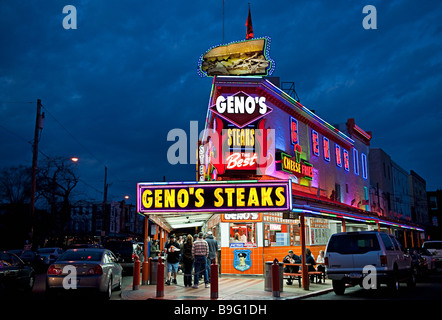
(38, 127)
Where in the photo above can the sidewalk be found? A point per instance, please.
(229, 288)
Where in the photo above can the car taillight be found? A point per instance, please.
(326, 261)
(54, 270)
(95, 270)
(383, 260)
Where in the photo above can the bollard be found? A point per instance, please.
(213, 280)
(145, 274)
(275, 278)
(160, 278)
(136, 277)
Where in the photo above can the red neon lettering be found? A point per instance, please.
(307, 171)
(346, 165)
(315, 143)
(326, 149)
(294, 131)
(338, 155)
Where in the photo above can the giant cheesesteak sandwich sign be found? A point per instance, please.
(243, 58)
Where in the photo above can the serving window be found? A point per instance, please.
(277, 234)
(242, 235)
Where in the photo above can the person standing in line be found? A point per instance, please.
(213, 249)
(187, 260)
(200, 251)
(154, 249)
(173, 251)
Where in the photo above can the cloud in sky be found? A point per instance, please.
(113, 88)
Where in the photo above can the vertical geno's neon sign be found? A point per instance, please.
(293, 131)
(326, 144)
(338, 155)
(315, 143)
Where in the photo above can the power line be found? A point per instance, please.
(84, 147)
(14, 134)
(17, 102)
(72, 136)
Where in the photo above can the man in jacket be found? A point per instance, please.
(213, 249)
(173, 258)
(200, 251)
(291, 258)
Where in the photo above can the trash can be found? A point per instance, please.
(154, 270)
(268, 276)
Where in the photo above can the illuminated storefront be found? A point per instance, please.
(264, 163)
(252, 120)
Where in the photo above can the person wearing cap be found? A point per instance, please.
(291, 258)
(172, 248)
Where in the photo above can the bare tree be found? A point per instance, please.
(15, 185)
(55, 182)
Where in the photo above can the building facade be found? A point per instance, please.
(418, 199)
(435, 214)
(327, 166)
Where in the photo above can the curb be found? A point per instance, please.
(124, 295)
(312, 294)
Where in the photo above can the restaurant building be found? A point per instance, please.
(269, 170)
(327, 167)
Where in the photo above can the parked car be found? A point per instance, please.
(29, 257)
(125, 252)
(435, 247)
(430, 261)
(96, 269)
(84, 245)
(14, 273)
(49, 255)
(347, 254)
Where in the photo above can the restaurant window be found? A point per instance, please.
(319, 231)
(283, 234)
(356, 162)
(364, 166)
(433, 203)
(242, 235)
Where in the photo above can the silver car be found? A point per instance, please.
(86, 268)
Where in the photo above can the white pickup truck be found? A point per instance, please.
(348, 253)
(435, 247)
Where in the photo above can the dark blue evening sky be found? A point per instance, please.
(113, 88)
